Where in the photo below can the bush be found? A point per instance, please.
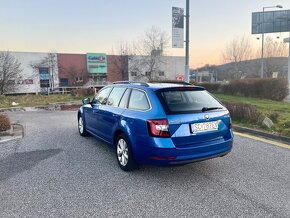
(286, 124)
(70, 107)
(82, 92)
(286, 132)
(211, 87)
(274, 116)
(4, 123)
(245, 112)
(274, 89)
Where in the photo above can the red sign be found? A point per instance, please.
(179, 77)
(28, 81)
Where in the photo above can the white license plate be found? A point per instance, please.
(204, 127)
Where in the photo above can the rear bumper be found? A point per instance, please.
(175, 156)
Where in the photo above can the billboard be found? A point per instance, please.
(271, 22)
(177, 27)
(96, 63)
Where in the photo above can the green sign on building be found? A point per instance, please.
(97, 62)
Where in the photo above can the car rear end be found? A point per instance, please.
(194, 127)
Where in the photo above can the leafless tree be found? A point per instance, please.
(9, 72)
(151, 47)
(73, 73)
(237, 51)
(119, 60)
(50, 62)
(273, 50)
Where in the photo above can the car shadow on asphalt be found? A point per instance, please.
(18, 162)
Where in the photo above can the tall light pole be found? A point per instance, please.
(186, 74)
(262, 25)
(287, 40)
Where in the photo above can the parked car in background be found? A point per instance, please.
(157, 123)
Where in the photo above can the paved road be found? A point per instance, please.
(57, 173)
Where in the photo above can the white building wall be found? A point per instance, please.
(27, 59)
(172, 66)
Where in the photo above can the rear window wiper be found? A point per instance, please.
(210, 108)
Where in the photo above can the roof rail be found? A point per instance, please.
(131, 82)
(171, 82)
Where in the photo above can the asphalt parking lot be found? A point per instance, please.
(54, 172)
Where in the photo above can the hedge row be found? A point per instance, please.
(82, 92)
(246, 112)
(274, 89)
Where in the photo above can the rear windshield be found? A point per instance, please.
(187, 101)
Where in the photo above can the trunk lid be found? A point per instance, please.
(212, 126)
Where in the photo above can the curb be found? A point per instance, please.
(263, 134)
(50, 107)
(16, 132)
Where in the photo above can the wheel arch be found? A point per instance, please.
(79, 114)
(116, 135)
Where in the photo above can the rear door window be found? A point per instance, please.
(138, 101)
(124, 101)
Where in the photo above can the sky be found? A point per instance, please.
(82, 26)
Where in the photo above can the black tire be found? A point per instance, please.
(82, 127)
(124, 154)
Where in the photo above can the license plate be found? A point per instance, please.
(205, 126)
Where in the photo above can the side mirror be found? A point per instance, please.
(86, 100)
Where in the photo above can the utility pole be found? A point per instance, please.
(186, 74)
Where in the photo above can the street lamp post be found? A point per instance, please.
(187, 43)
(262, 55)
(287, 40)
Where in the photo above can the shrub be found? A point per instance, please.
(245, 112)
(211, 87)
(286, 132)
(70, 107)
(286, 124)
(4, 123)
(274, 116)
(274, 89)
(82, 92)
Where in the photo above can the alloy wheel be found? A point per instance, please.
(122, 152)
(81, 125)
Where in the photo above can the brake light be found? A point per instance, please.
(158, 128)
(230, 126)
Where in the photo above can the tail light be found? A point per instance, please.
(158, 128)
(231, 125)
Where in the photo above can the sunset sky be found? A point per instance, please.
(81, 26)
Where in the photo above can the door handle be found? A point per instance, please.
(95, 111)
(116, 115)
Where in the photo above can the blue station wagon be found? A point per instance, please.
(157, 123)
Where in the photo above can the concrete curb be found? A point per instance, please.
(262, 134)
(50, 107)
(16, 132)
